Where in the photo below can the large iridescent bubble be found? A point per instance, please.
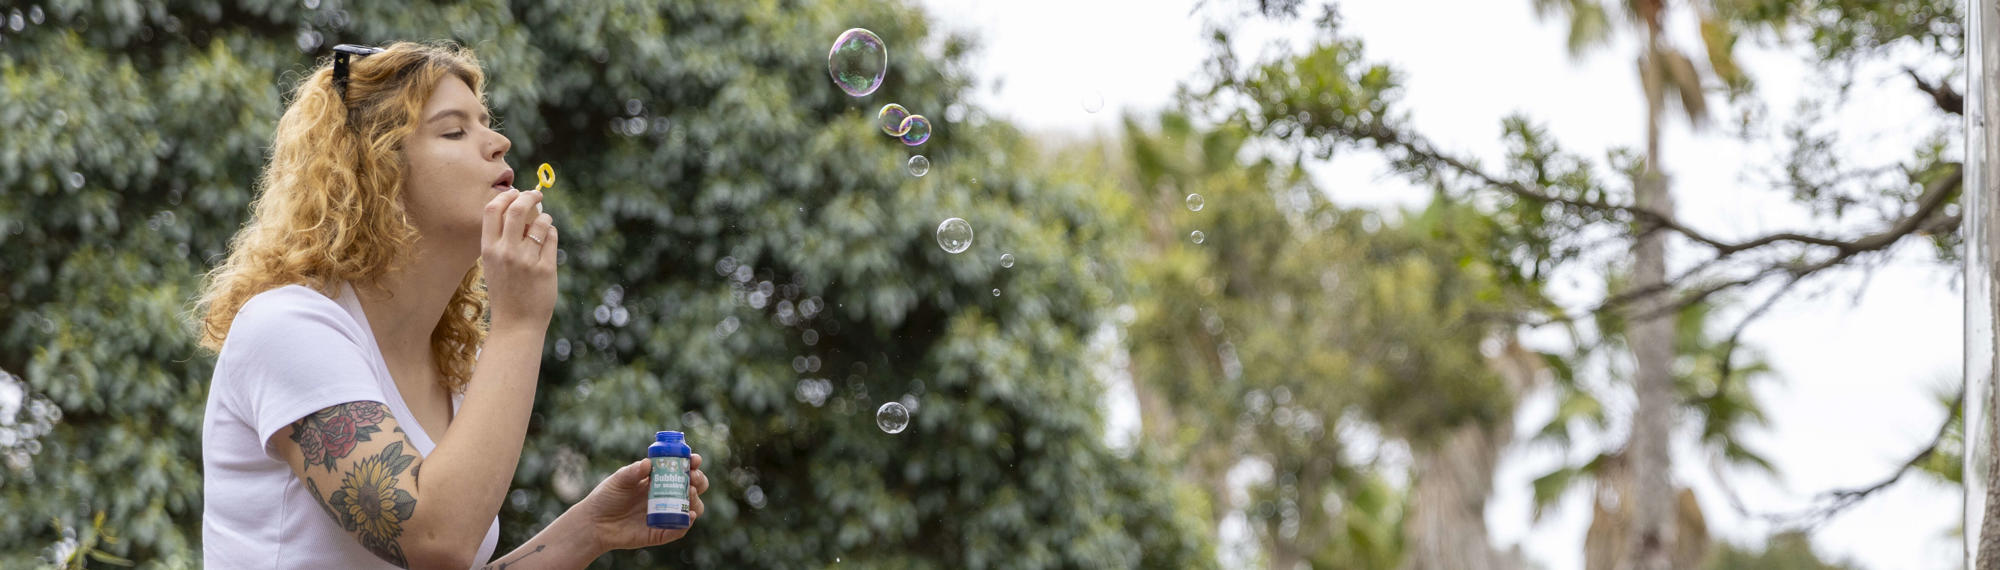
(857, 61)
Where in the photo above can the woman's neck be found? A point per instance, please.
(405, 305)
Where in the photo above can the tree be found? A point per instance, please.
(1294, 316)
(752, 265)
(1330, 98)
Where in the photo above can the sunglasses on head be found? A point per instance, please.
(341, 53)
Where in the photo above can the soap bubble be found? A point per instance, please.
(892, 417)
(1093, 101)
(954, 235)
(916, 130)
(1198, 237)
(857, 61)
(891, 118)
(1006, 260)
(996, 292)
(1194, 202)
(919, 165)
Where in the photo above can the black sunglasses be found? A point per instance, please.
(340, 54)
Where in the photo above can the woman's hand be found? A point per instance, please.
(616, 509)
(517, 249)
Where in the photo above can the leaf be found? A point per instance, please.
(108, 558)
(1685, 80)
(1718, 38)
(1550, 487)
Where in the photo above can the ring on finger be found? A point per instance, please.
(538, 239)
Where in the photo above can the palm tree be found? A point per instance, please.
(1666, 74)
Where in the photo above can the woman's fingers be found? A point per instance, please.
(637, 473)
(519, 215)
(548, 245)
(494, 219)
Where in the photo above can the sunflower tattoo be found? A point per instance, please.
(370, 505)
(368, 502)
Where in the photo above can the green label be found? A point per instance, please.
(670, 486)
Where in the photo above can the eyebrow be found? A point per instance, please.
(450, 112)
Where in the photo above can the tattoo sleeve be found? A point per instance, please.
(369, 500)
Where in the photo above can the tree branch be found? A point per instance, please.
(1933, 198)
(1946, 98)
(1838, 500)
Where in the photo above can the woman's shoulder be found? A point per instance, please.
(288, 314)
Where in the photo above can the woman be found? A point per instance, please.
(361, 414)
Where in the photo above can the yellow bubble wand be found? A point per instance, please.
(545, 177)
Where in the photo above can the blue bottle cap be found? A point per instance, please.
(668, 437)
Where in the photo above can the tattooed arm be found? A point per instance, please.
(361, 469)
(431, 511)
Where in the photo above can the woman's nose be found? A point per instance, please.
(500, 148)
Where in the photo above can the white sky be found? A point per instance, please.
(1854, 399)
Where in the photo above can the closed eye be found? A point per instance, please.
(455, 135)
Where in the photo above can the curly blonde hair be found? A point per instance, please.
(330, 208)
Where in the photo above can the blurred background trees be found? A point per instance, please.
(749, 261)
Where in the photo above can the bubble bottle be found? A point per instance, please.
(667, 503)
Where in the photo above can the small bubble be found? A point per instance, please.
(725, 266)
(996, 292)
(312, 4)
(1006, 260)
(1197, 237)
(35, 14)
(1092, 101)
(603, 314)
(916, 130)
(632, 106)
(1194, 202)
(891, 119)
(857, 61)
(811, 337)
(892, 417)
(954, 235)
(15, 21)
(75, 180)
(919, 166)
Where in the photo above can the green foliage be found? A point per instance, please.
(1791, 550)
(771, 265)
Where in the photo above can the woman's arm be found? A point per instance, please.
(566, 543)
(465, 477)
(612, 517)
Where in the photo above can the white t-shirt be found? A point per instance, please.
(290, 352)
